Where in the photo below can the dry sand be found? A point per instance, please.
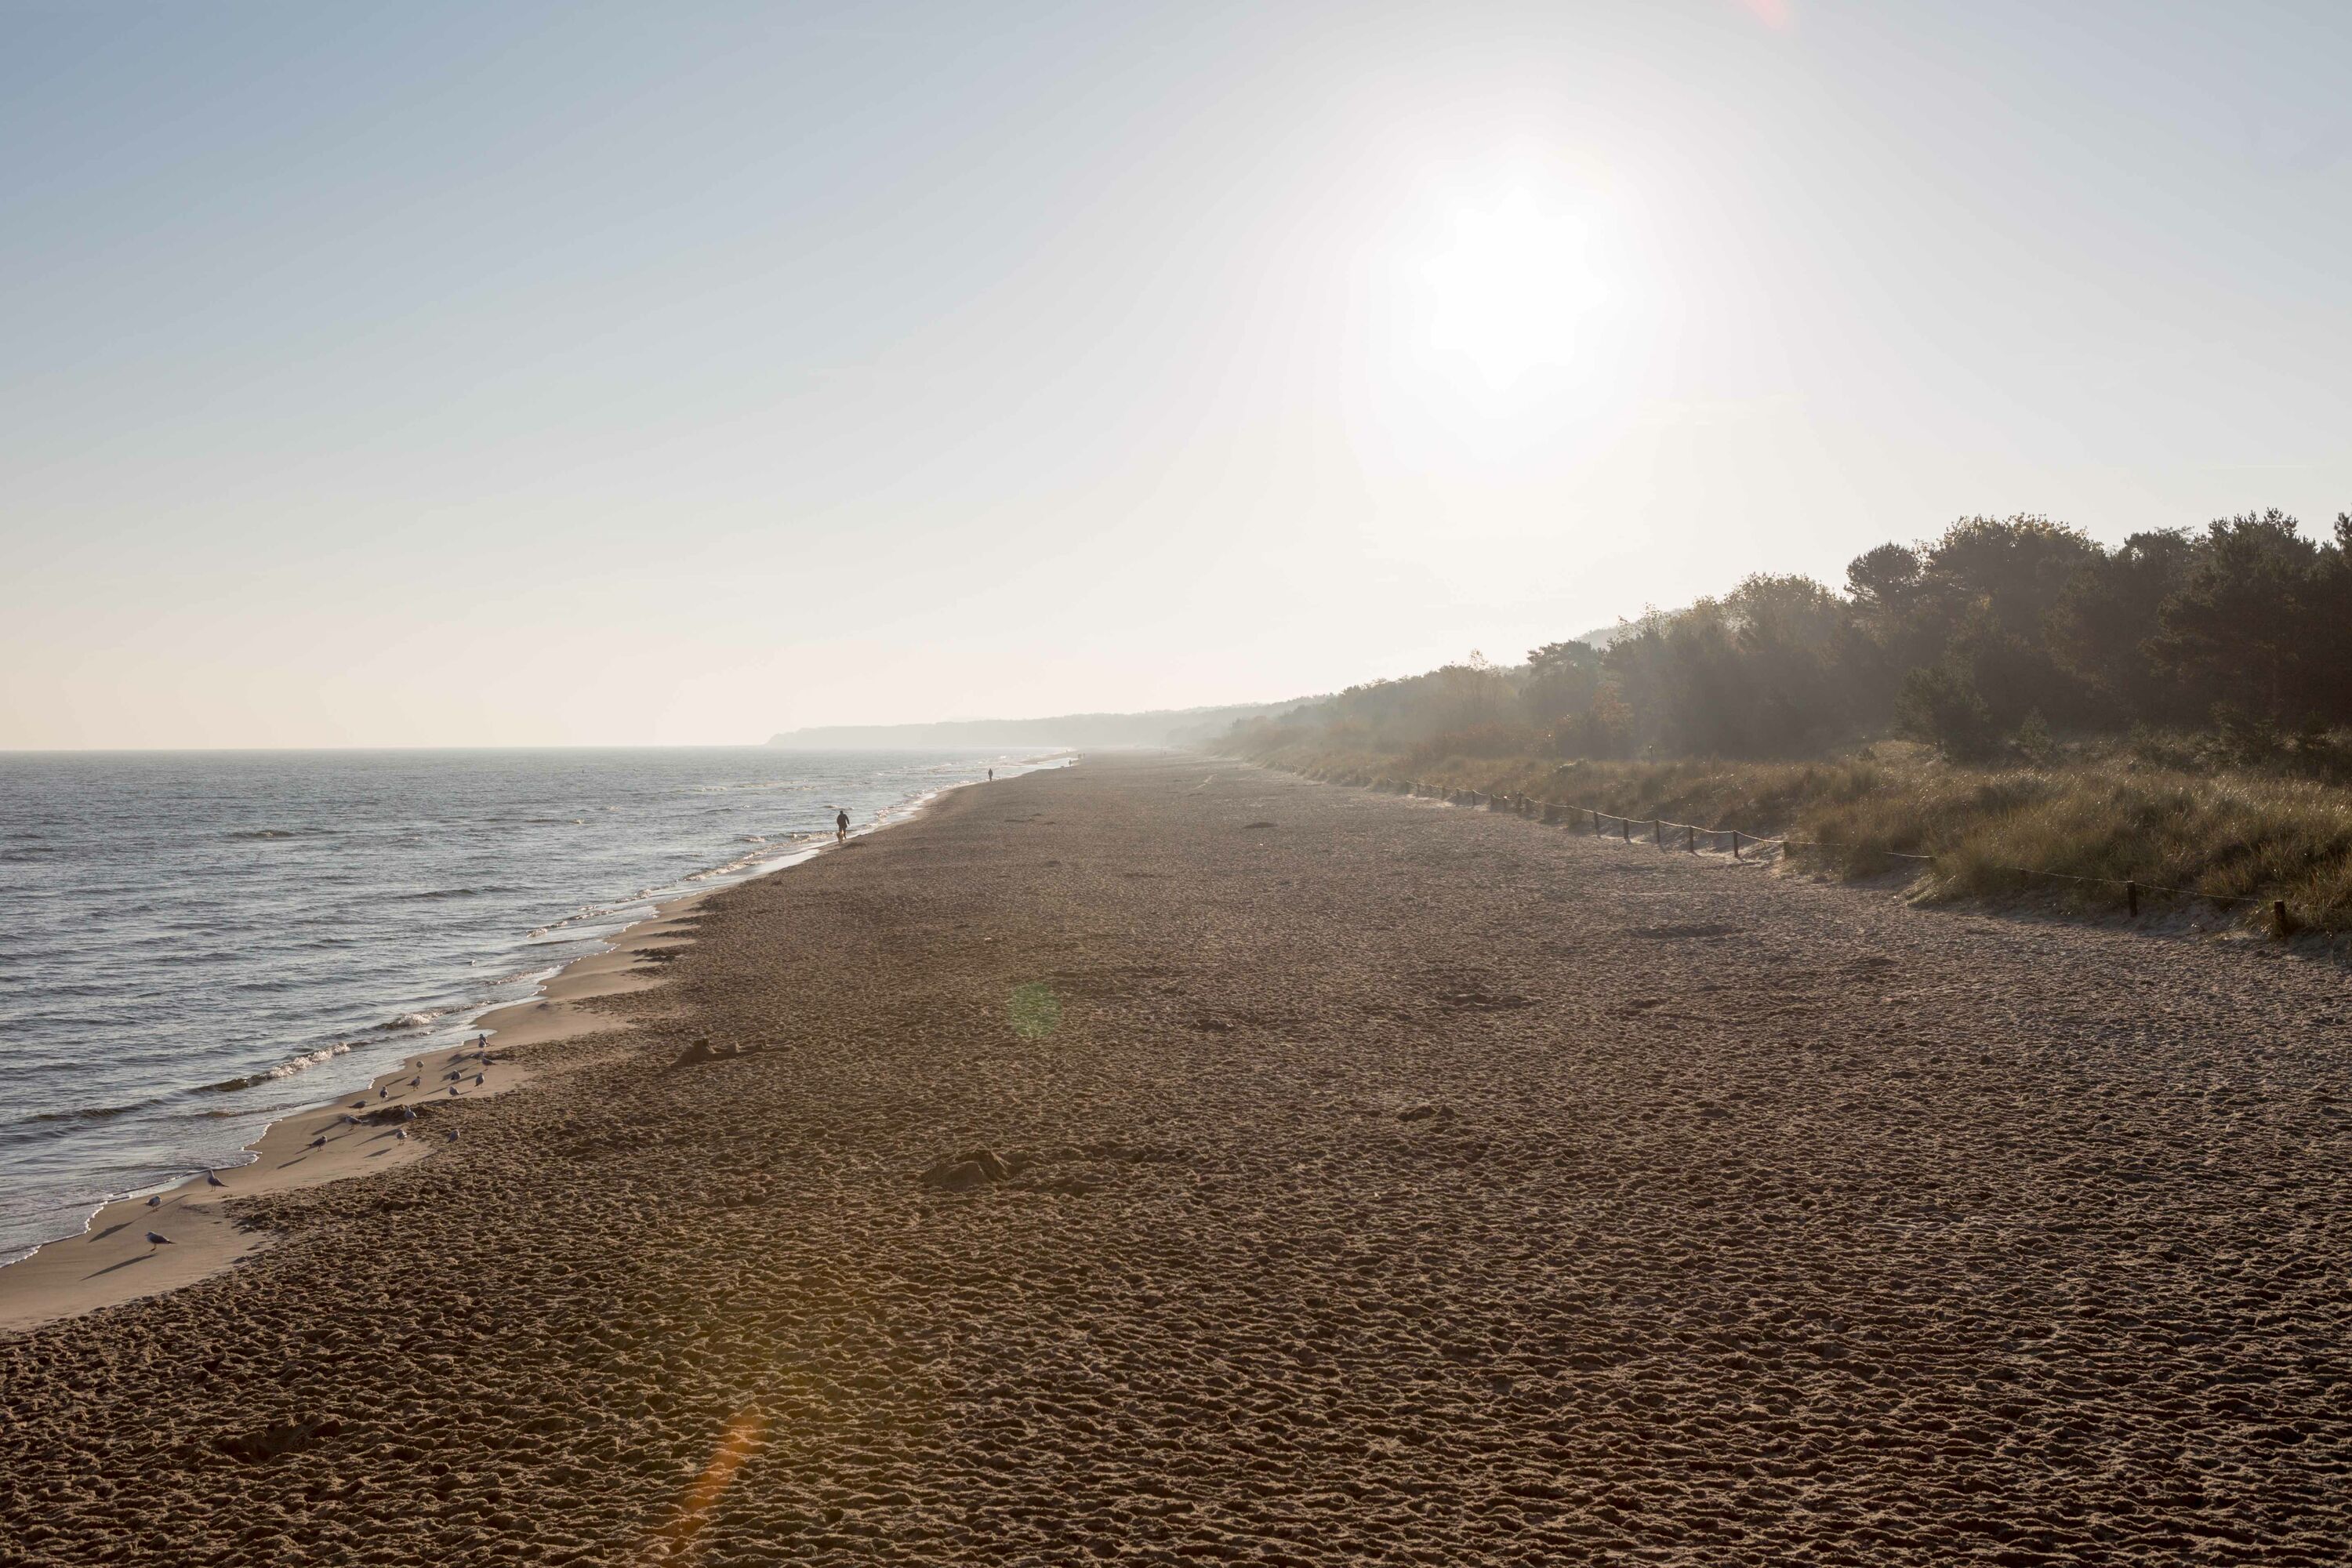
(1357, 1179)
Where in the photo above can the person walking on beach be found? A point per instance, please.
(841, 826)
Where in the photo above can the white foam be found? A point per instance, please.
(304, 1063)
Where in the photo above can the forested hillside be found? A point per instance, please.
(1984, 642)
(2010, 694)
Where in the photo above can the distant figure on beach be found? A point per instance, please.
(991, 776)
(841, 827)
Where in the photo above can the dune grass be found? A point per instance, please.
(2219, 834)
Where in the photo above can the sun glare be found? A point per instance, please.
(1510, 291)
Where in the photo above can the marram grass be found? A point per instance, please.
(2227, 833)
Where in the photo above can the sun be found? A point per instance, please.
(1510, 291)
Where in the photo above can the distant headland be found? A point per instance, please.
(1161, 727)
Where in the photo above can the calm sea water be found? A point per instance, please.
(193, 944)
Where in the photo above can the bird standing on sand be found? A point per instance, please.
(382, 1093)
(453, 1091)
(417, 1079)
(319, 1142)
(156, 1202)
(157, 1238)
(479, 1078)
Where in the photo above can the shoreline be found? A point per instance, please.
(109, 1262)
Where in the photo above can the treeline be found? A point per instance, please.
(1983, 641)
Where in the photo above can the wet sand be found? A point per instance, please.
(1171, 1160)
(367, 1132)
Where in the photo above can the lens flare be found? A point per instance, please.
(736, 1446)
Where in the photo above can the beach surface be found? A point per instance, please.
(1163, 1159)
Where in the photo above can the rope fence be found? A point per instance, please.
(1741, 843)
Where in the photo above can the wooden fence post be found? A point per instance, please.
(1626, 822)
(2281, 927)
(1658, 832)
(1735, 844)
(2131, 900)
(1690, 838)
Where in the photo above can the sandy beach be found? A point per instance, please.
(1163, 1159)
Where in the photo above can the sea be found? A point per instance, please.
(193, 944)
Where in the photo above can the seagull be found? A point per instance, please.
(382, 1093)
(212, 1180)
(400, 1132)
(319, 1142)
(453, 1135)
(157, 1238)
(156, 1202)
(359, 1105)
(417, 1079)
(479, 1078)
(453, 1091)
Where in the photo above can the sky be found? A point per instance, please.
(584, 374)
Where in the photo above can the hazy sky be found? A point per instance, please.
(527, 374)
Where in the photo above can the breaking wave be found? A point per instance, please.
(286, 1068)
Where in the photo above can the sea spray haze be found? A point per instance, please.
(193, 943)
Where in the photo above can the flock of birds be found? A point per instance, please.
(454, 1076)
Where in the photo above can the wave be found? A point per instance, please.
(250, 834)
(794, 785)
(89, 1113)
(408, 1021)
(769, 851)
(286, 1068)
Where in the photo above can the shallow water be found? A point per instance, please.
(193, 943)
